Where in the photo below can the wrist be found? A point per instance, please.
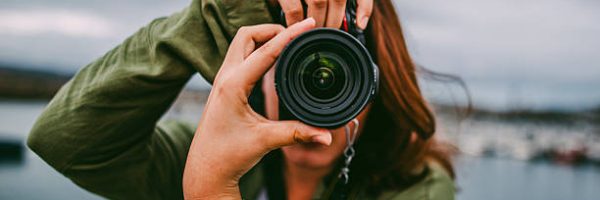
(204, 178)
(208, 185)
(232, 193)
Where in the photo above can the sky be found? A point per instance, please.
(530, 54)
(512, 53)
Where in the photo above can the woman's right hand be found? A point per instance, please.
(231, 138)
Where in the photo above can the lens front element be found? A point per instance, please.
(325, 77)
(322, 76)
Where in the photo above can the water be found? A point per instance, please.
(501, 179)
(478, 177)
(30, 178)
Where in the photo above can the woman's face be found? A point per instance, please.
(310, 155)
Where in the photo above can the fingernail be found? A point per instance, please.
(363, 22)
(322, 138)
(309, 20)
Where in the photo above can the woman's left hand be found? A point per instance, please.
(327, 13)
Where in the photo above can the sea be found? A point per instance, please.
(478, 176)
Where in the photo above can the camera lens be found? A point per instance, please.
(324, 78)
(322, 75)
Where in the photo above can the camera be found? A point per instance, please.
(325, 77)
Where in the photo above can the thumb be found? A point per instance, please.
(284, 133)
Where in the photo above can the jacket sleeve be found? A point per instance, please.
(100, 129)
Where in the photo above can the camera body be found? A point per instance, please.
(326, 77)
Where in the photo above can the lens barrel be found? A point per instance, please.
(324, 77)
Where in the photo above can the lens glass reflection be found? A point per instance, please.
(322, 75)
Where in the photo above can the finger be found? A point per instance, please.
(263, 58)
(283, 133)
(335, 13)
(293, 11)
(317, 9)
(245, 40)
(363, 13)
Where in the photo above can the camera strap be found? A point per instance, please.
(342, 188)
(349, 151)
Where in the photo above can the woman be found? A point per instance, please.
(101, 129)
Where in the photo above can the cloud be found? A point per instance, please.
(34, 22)
(510, 34)
(66, 35)
(541, 52)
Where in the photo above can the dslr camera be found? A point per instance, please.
(325, 77)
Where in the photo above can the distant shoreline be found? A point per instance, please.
(34, 85)
(29, 84)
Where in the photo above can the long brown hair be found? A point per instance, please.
(398, 136)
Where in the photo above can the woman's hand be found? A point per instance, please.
(328, 13)
(231, 138)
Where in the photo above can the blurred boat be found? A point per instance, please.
(11, 150)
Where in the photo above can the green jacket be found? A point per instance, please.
(102, 128)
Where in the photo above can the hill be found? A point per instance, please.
(29, 84)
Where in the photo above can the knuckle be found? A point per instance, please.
(278, 27)
(287, 36)
(244, 30)
(318, 3)
(226, 85)
(268, 50)
(265, 48)
(223, 83)
(339, 1)
(296, 136)
(294, 12)
(220, 87)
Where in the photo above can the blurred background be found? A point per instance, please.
(532, 69)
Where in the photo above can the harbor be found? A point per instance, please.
(497, 158)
